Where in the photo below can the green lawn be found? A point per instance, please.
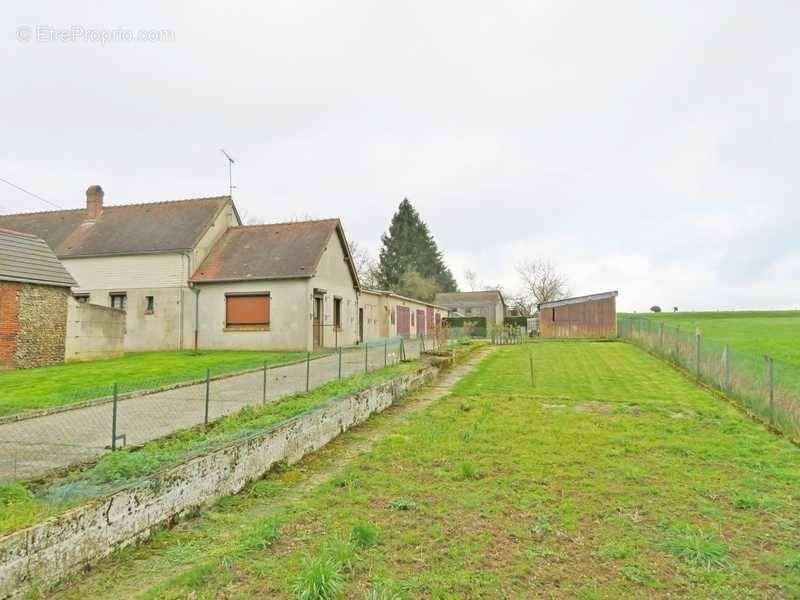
(614, 477)
(776, 333)
(46, 387)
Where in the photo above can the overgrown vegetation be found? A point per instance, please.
(22, 507)
(57, 385)
(613, 477)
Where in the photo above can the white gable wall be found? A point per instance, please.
(333, 275)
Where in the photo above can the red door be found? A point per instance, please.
(403, 321)
(421, 322)
(429, 321)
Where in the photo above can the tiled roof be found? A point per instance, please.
(274, 251)
(479, 296)
(123, 229)
(27, 258)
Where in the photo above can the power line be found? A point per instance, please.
(37, 196)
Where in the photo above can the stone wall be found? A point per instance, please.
(94, 331)
(33, 324)
(41, 555)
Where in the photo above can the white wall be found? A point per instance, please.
(290, 325)
(333, 275)
(94, 332)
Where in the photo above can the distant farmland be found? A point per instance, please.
(776, 333)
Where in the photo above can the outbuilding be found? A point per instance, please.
(592, 316)
(34, 291)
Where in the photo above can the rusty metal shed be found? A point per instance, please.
(591, 316)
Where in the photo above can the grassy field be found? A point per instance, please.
(613, 477)
(776, 333)
(46, 387)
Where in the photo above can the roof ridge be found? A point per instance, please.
(113, 206)
(255, 225)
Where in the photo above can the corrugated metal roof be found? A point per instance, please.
(478, 296)
(274, 251)
(28, 259)
(579, 299)
(123, 229)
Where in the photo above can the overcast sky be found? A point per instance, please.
(650, 147)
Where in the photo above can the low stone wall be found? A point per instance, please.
(41, 555)
(94, 331)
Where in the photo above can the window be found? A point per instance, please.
(391, 316)
(412, 318)
(149, 305)
(247, 310)
(82, 298)
(554, 314)
(119, 300)
(337, 313)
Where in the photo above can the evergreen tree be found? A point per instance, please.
(410, 247)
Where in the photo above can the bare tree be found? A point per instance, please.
(542, 281)
(366, 266)
(472, 279)
(520, 304)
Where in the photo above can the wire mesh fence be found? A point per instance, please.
(768, 387)
(125, 415)
(509, 334)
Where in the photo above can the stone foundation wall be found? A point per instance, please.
(43, 554)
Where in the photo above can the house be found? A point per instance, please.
(137, 257)
(592, 316)
(386, 314)
(487, 303)
(279, 286)
(34, 292)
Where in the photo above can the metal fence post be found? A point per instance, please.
(366, 357)
(771, 383)
(208, 395)
(340, 362)
(530, 358)
(264, 390)
(114, 421)
(385, 352)
(402, 349)
(308, 370)
(697, 351)
(678, 344)
(660, 336)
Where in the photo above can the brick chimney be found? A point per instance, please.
(94, 201)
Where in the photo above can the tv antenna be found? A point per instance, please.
(231, 187)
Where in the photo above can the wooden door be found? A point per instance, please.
(317, 322)
(421, 327)
(403, 321)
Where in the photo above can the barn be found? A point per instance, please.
(592, 316)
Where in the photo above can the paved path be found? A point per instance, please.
(35, 446)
